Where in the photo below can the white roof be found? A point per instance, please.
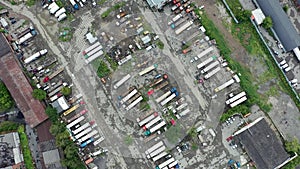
(51, 157)
(90, 38)
(62, 102)
(258, 15)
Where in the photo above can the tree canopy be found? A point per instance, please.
(66, 91)
(267, 22)
(39, 94)
(6, 102)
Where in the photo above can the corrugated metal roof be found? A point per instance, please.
(281, 23)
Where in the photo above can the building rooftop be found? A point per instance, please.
(10, 153)
(52, 159)
(158, 4)
(261, 144)
(61, 104)
(19, 87)
(43, 131)
(282, 25)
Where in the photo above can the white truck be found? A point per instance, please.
(205, 52)
(62, 17)
(59, 12)
(223, 86)
(93, 57)
(128, 96)
(54, 8)
(134, 103)
(207, 61)
(239, 101)
(122, 81)
(183, 27)
(35, 56)
(213, 72)
(210, 66)
(236, 97)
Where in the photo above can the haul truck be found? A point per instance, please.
(73, 123)
(134, 103)
(223, 86)
(168, 99)
(124, 60)
(183, 27)
(207, 61)
(91, 48)
(122, 81)
(84, 132)
(86, 142)
(89, 135)
(93, 57)
(35, 56)
(147, 119)
(159, 156)
(209, 67)
(156, 152)
(205, 52)
(128, 96)
(162, 97)
(176, 18)
(239, 101)
(148, 69)
(90, 53)
(70, 110)
(234, 98)
(151, 123)
(77, 115)
(210, 74)
(166, 163)
(59, 12)
(155, 128)
(81, 128)
(154, 147)
(75, 6)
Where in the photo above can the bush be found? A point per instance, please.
(66, 91)
(25, 148)
(39, 94)
(103, 69)
(113, 64)
(160, 45)
(6, 102)
(8, 126)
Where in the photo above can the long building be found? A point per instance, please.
(19, 86)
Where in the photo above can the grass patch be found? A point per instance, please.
(246, 77)
(249, 38)
(113, 64)
(128, 140)
(25, 148)
(101, 2)
(160, 44)
(13, 2)
(59, 3)
(1, 7)
(240, 109)
(30, 3)
(173, 134)
(8, 126)
(113, 8)
(103, 70)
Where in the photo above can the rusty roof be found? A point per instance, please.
(20, 89)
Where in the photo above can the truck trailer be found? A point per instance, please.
(168, 99)
(62, 17)
(148, 69)
(134, 103)
(82, 133)
(155, 128)
(84, 144)
(236, 97)
(74, 4)
(213, 72)
(59, 12)
(151, 123)
(35, 56)
(73, 123)
(209, 67)
(124, 60)
(91, 48)
(239, 101)
(90, 53)
(205, 52)
(176, 18)
(122, 81)
(162, 97)
(183, 27)
(223, 86)
(207, 61)
(94, 56)
(128, 96)
(147, 119)
(156, 152)
(154, 147)
(159, 156)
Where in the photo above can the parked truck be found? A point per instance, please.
(165, 163)
(155, 128)
(122, 81)
(95, 50)
(84, 144)
(207, 61)
(148, 69)
(94, 56)
(62, 17)
(168, 99)
(88, 136)
(133, 98)
(236, 97)
(211, 73)
(176, 18)
(156, 152)
(161, 86)
(74, 4)
(128, 96)
(159, 156)
(183, 113)
(24, 38)
(59, 12)
(147, 119)
(54, 8)
(81, 113)
(73, 123)
(82, 133)
(134, 103)
(210, 66)
(35, 56)
(183, 27)
(175, 24)
(151, 123)
(124, 60)
(162, 97)
(154, 147)
(223, 86)
(87, 50)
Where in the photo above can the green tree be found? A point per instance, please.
(8, 126)
(6, 101)
(62, 139)
(70, 151)
(39, 94)
(57, 128)
(267, 22)
(52, 113)
(103, 70)
(66, 91)
(292, 146)
(285, 8)
(193, 132)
